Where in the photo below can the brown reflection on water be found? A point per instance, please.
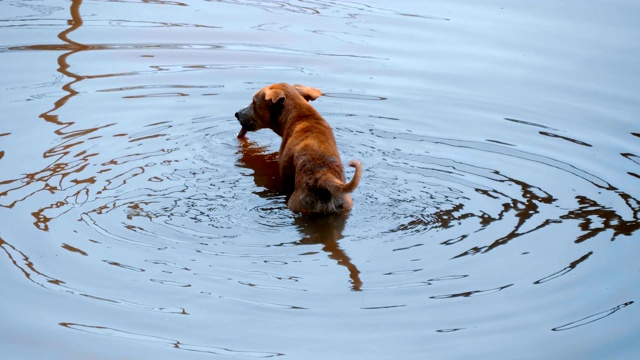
(26, 266)
(153, 2)
(58, 170)
(21, 261)
(163, 341)
(73, 47)
(327, 231)
(592, 213)
(564, 271)
(266, 174)
(592, 318)
(593, 218)
(69, 159)
(316, 230)
(523, 210)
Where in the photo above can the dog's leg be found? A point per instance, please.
(296, 202)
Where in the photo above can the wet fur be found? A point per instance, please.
(309, 161)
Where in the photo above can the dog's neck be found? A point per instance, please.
(291, 113)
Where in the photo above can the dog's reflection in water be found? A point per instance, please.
(325, 230)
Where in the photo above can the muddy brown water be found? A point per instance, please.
(498, 215)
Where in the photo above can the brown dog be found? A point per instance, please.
(309, 162)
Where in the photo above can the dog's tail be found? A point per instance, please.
(351, 185)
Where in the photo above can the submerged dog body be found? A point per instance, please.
(309, 161)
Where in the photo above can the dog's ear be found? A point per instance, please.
(274, 95)
(308, 93)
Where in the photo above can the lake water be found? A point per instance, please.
(498, 215)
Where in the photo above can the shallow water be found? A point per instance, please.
(498, 215)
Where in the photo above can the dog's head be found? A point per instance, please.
(267, 106)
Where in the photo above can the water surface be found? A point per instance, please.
(498, 215)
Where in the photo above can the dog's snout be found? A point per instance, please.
(238, 115)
